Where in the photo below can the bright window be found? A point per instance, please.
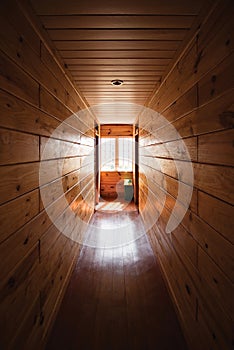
(116, 154)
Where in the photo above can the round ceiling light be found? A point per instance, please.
(116, 82)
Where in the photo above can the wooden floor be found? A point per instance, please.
(117, 298)
(116, 205)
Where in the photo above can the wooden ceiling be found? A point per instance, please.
(134, 41)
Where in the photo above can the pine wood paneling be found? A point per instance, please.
(17, 147)
(213, 116)
(195, 63)
(70, 94)
(14, 249)
(197, 99)
(116, 21)
(215, 180)
(216, 148)
(52, 106)
(116, 130)
(172, 60)
(122, 38)
(216, 81)
(217, 214)
(116, 45)
(220, 285)
(185, 103)
(122, 7)
(18, 212)
(17, 293)
(17, 81)
(62, 149)
(10, 10)
(19, 115)
(36, 96)
(214, 244)
(172, 149)
(17, 180)
(112, 183)
(116, 54)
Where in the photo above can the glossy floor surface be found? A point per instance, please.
(116, 298)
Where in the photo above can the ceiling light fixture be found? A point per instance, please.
(116, 82)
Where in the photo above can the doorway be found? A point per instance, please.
(117, 171)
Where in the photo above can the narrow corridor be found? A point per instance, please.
(116, 298)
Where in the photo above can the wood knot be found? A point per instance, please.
(213, 78)
(227, 119)
(35, 319)
(26, 241)
(18, 187)
(188, 289)
(11, 282)
(41, 318)
(212, 91)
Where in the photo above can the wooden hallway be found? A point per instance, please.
(117, 168)
(116, 298)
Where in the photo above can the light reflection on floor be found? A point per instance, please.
(115, 224)
(110, 206)
(115, 206)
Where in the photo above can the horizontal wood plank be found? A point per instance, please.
(28, 204)
(217, 214)
(216, 148)
(17, 180)
(17, 147)
(221, 287)
(104, 7)
(114, 130)
(17, 82)
(116, 34)
(116, 54)
(215, 180)
(19, 291)
(111, 22)
(116, 45)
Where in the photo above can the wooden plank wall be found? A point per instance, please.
(112, 183)
(36, 259)
(197, 97)
(115, 130)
